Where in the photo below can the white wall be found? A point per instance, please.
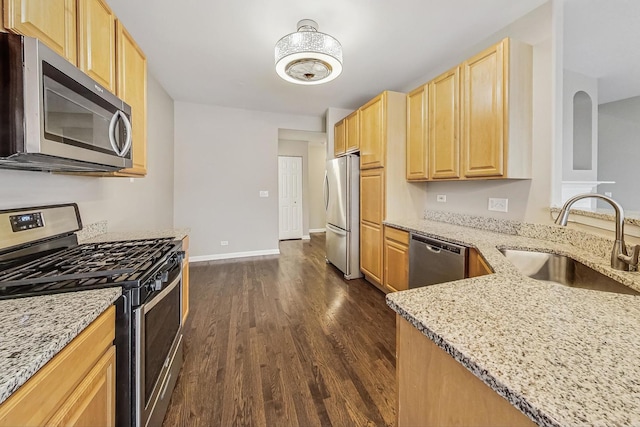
(619, 145)
(146, 203)
(299, 149)
(223, 158)
(317, 167)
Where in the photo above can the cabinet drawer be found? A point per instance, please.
(399, 236)
(39, 398)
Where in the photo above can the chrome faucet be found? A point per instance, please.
(620, 260)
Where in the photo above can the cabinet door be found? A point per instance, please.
(51, 21)
(339, 138)
(132, 88)
(417, 134)
(372, 193)
(372, 131)
(396, 259)
(352, 134)
(97, 49)
(371, 251)
(93, 402)
(371, 217)
(483, 135)
(444, 125)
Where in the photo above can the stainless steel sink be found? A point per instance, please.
(563, 270)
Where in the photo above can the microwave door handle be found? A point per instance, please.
(127, 126)
(112, 133)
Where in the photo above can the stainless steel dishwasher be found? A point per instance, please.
(434, 261)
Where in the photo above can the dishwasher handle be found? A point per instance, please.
(433, 249)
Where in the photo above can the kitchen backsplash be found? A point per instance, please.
(92, 230)
(600, 246)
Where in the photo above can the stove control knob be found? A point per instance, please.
(156, 285)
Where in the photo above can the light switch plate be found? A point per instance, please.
(224, 243)
(498, 205)
(264, 193)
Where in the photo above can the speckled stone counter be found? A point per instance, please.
(563, 356)
(177, 234)
(33, 330)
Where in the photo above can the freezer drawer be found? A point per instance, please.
(434, 261)
(337, 247)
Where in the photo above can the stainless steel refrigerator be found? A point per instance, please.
(342, 204)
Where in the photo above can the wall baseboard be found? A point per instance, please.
(306, 237)
(317, 230)
(214, 257)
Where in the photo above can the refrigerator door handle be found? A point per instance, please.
(325, 191)
(336, 230)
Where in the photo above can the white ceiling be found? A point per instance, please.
(602, 40)
(220, 52)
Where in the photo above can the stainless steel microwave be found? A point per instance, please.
(53, 117)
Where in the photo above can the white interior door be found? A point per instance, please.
(290, 197)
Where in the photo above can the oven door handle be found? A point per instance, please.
(155, 300)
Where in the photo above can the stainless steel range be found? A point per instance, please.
(40, 254)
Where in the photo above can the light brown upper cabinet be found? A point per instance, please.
(444, 125)
(417, 134)
(97, 50)
(51, 21)
(478, 118)
(372, 131)
(132, 88)
(339, 137)
(497, 112)
(352, 132)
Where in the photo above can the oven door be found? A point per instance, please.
(158, 343)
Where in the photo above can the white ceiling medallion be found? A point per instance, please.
(308, 57)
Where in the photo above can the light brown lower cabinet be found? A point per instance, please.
(75, 388)
(436, 390)
(185, 279)
(372, 213)
(396, 259)
(476, 264)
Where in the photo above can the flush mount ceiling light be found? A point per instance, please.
(308, 57)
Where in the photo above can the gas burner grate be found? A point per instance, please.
(89, 264)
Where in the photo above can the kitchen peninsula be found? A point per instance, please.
(558, 354)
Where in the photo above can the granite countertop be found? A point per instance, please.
(563, 356)
(35, 329)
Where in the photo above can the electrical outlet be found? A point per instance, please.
(608, 193)
(264, 193)
(442, 198)
(498, 205)
(224, 243)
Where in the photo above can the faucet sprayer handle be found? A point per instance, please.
(632, 260)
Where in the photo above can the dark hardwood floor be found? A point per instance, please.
(285, 341)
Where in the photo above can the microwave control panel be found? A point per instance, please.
(27, 221)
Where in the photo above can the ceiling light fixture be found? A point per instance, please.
(308, 57)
